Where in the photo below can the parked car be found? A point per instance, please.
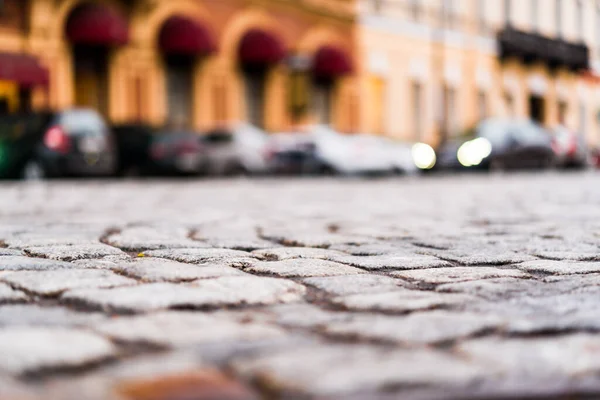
(70, 143)
(148, 151)
(570, 148)
(595, 157)
(238, 149)
(499, 144)
(293, 154)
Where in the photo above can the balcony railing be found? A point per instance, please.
(532, 48)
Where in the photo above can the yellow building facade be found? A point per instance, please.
(198, 62)
(433, 68)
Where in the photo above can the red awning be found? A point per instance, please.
(97, 24)
(22, 69)
(183, 36)
(260, 47)
(331, 62)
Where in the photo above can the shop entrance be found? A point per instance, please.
(537, 108)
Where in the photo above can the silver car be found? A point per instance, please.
(236, 150)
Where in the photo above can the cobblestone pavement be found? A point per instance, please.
(466, 287)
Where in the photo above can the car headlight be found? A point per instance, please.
(473, 152)
(423, 156)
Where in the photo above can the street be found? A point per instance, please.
(472, 286)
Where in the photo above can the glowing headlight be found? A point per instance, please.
(473, 152)
(423, 155)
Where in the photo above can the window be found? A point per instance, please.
(558, 17)
(481, 16)
(507, 12)
(255, 81)
(597, 33)
(416, 94)
(535, 18)
(563, 109)
(377, 6)
(509, 104)
(415, 9)
(448, 12)
(378, 102)
(322, 94)
(582, 118)
(450, 117)
(579, 19)
(482, 104)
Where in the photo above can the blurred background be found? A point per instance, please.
(105, 87)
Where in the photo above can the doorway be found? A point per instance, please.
(91, 78)
(537, 108)
(179, 91)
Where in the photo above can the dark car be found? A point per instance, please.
(148, 151)
(294, 154)
(499, 144)
(71, 143)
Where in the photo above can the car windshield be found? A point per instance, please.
(496, 131)
(528, 132)
(82, 123)
(218, 137)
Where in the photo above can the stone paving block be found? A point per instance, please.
(392, 262)
(35, 315)
(197, 384)
(239, 243)
(339, 370)
(537, 359)
(206, 293)
(505, 288)
(10, 295)
(298, 315)
(184, 329)
(163, 270)
(457, 274)
(76, 252)
(376, 249)
(52, 283)
(287, 253)
(25, 242)
(300, 267)
(354, 284)
(485, 257)
(560, 267)
(314, 239)
(10, 252)
(419, 328)
(22, 263)
(146, 238)
(401, 301)
(29, 349)
(199, 255)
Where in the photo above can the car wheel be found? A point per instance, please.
(34, 171)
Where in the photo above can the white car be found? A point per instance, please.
(237, 149)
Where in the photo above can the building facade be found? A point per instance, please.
(197, 63)
(435, 67)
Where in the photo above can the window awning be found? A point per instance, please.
(260, 47)
(23, 69)
(331, 62)
(97, 24)
(184, 36)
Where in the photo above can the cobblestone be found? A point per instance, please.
(162, 270)
(466, 287)
(9, 295)
(295, 268)
(210, 293)
(184, 328)
(52, 283)
(26, 349)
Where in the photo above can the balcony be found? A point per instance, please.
(534, 48)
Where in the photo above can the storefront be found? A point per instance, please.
(20, 75)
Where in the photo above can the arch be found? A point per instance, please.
(320, 36)
(65, 9)
(243, 22)
(145, 29)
